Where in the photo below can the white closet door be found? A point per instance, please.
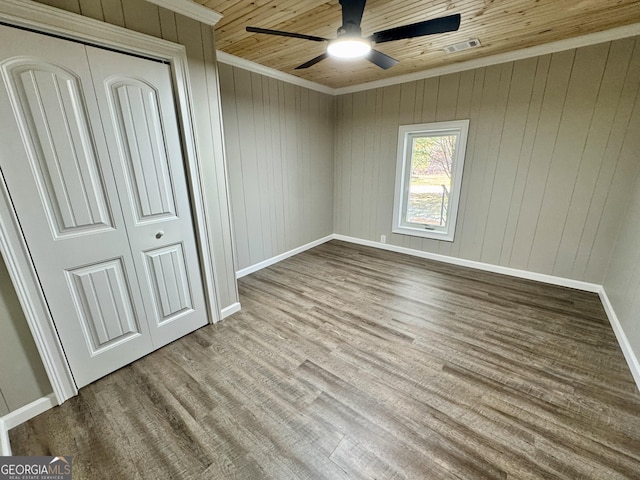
(140, 122)
(56, 163)
(90, 211)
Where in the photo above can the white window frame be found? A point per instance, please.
(406, 134)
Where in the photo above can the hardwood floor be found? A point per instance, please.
(352, 363)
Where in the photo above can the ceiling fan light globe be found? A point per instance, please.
(349, 48)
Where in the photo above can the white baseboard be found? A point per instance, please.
(230, 310)
(5, 446)
(278, 258)
(629, 355)
(21, 415)
(513, 272)
(623, 341)
(33, 409)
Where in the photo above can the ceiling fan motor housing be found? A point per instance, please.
(350, 29)
(350, 43)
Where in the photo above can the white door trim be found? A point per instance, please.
(42, 18)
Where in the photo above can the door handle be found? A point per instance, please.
(159, 234)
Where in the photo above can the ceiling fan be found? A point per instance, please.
(351, 44)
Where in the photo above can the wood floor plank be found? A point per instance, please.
(348, 362)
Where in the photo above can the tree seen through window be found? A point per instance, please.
(430, 180)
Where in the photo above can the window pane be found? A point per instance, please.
(429, 172)
(430, 180)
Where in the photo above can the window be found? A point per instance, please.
(429, 178)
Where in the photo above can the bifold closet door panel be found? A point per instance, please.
(135, 98)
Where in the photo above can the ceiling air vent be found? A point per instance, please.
(458, 47)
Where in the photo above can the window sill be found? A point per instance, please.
(424, 233)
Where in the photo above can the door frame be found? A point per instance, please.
(46, 19)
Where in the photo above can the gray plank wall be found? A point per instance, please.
(279, 145)
(21, 380)
(22, 375)
(548, 172)
(622, 282)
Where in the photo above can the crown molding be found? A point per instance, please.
(234, 61)
(538, 50)
(545, 49)
(190, 9)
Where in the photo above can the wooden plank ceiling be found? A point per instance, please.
(500, 25)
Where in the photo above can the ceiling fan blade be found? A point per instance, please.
(428, 27)
(286, 34)
(352, 11)
(313, 61)
(381, 60)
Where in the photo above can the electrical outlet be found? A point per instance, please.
(383, 239)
